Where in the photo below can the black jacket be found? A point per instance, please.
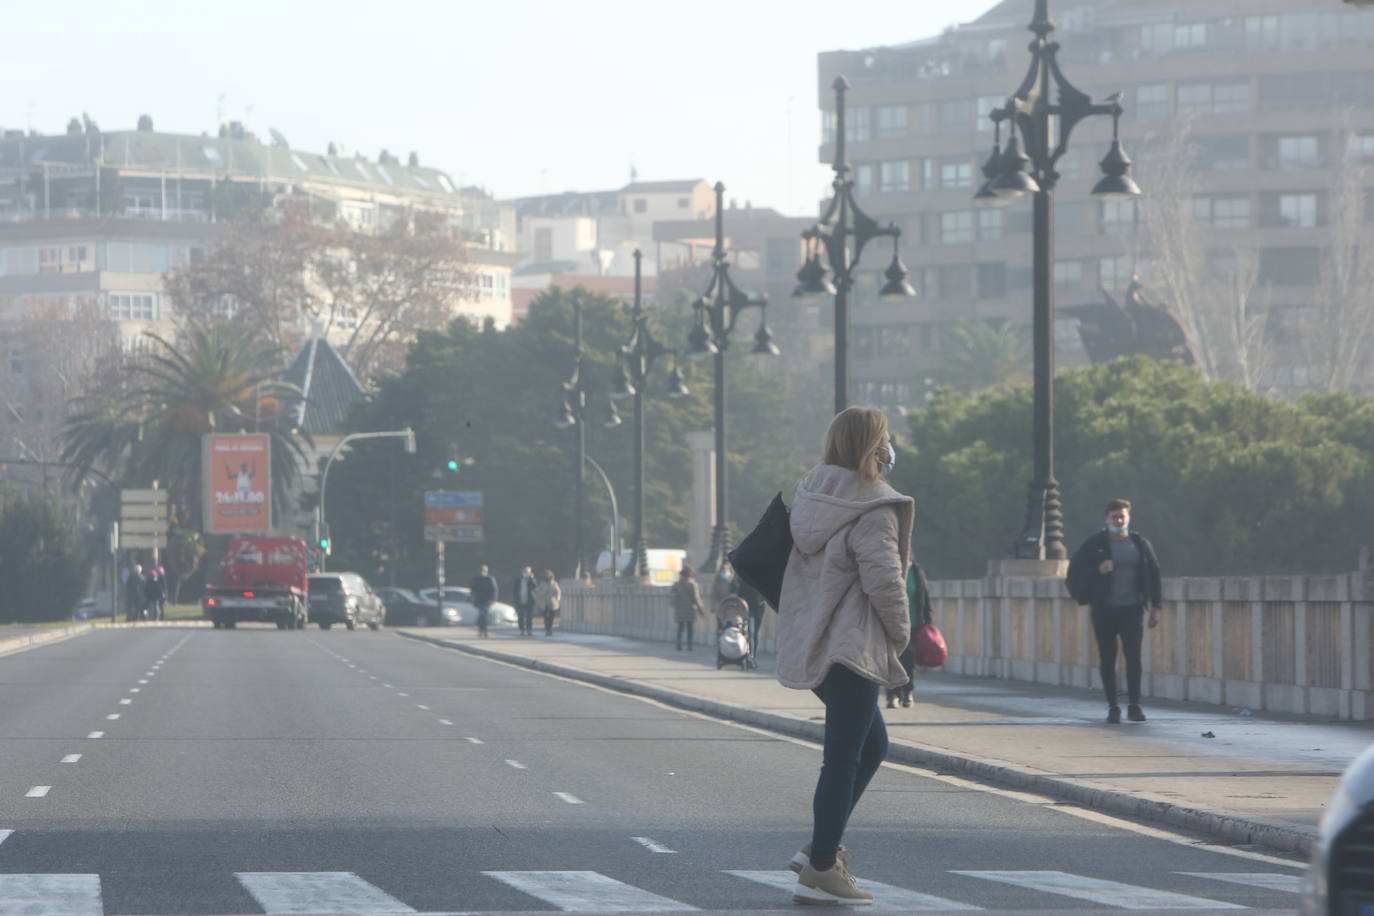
(484, 590)
(531, 582)
(1088, 586)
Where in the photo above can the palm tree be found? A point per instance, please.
(985, 355)
(216, 378)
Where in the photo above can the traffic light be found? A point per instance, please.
(453, 463)
(324, 540)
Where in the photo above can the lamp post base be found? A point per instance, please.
(720, 546)
(1042, 538)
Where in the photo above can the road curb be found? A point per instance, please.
(20, 643)
(1239, 830)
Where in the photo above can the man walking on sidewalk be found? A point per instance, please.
(484, 591)
(1115, 571)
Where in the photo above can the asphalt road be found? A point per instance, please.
(193, 771)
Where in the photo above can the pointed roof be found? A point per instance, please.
(329, 387)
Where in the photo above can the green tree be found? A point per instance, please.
(41, 571)
(493, 394)
(985, 355)
(219, 378)
(1226, 482)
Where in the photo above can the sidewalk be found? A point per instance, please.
(1258, 780)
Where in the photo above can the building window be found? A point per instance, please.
(1219, 152)
(1191, 35)
(992, 279)
(863, 179)
(894, 176)
(892, 121)
(1299, 152)
(1118, 216)
(989, 225)
(1068, 273)
(1114, 273)
(828, 127)
(641, 205)
(1262, 32)
(956, 227)
(956, 174)
(543, 243)
(956, 282)
(956, 115)
(856, 128)
(1222, 211)
(1298, 211)
(1213, 98)
(1362, 145)
(986, 104)
(1152, 101)
(131, 306)
(1157, 38)
(1289, 266)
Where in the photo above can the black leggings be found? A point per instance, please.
(684, 626)
(1128, 623)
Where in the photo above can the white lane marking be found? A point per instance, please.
(5, 835)
(445, 722)
(1270, 881)
(569, 798)
(51, 895)
(135, 690)
(96, 735)
(149, 673)
(885, 896)
(142, 681)
(38, 791)
(71, 758)
(422, 706)
(586, 892)
(1107, 893)
(112, 716)
(653, 846)
(517, 765)
(472, 740)
(402, 694)
(283, 892)
(373, 677)
(126, 702)
(387, 686)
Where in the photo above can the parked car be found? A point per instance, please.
(89, 609)
(460, 599)
(404, 608)
(1340, 879)
(346, 598)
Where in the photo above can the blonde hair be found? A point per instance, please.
(853, 440)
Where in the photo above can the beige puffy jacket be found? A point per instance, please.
(844, 592)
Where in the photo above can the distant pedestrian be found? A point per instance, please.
(917, 603)
(686, 606)
(842, 623)
(1116, 573)
(484, 591)
(522, 593)
(547, 598)
(754, 599)
(133, 592)
(153, 591)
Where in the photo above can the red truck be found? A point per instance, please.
(265, 579)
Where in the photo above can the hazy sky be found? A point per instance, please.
(518, 96)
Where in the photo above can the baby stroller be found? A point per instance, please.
(732, 644)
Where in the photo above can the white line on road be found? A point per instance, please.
(1107, 893)
(586, 892)
(283, 893)
(472, 740)
(517, 765)
(142, 681)
(445, 722)
(887, 897)
(135, 690)
(569, 798)
(651, 845)
(112, 716)
(38, 791)
(1270, 881)
(5, 835)
(53, 895)
(422, 706)
(126, 702)
(96, 735)
(402, 694)
(71, 758)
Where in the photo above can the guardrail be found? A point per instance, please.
(1292, 644)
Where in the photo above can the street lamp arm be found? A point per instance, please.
(615, 514)
(408, 434)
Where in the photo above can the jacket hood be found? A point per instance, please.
(830, 497)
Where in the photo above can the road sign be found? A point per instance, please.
(142, 541)
(471, 534)
(460, 499)
(143, 496)
(142, 519)
(453, 516)
(143, 526)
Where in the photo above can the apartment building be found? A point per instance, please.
(1269, 105)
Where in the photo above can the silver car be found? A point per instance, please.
(460, 599)
(1340, 881)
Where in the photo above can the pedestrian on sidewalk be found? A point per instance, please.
(686, 605)
(1116, 573)
(754, 599)
(918, 607)
(547, 597)
(842, 623)
(484, 591)
(523, 595)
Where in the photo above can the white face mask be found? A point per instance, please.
(891, 459)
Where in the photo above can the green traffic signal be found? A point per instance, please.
(453, 464)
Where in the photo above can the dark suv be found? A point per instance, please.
(346, 598)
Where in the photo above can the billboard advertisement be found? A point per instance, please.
(236, 473)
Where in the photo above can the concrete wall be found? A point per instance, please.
(1293, 644)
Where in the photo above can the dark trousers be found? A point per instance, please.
(525, 615)
(908, 660)
(755, 625)
(483, 618)
(1128, 625)
(684, 626)
(550, 616)
(855, 745)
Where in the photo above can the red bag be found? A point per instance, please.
(928, 644)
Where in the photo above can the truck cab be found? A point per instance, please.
(265, 579)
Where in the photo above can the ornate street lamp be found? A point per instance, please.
(843, 221)
(716, 311)
(632, 371)
(572, 413)
(1043, 112)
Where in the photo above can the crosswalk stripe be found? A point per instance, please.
(50, 895)
(1269, 881)
(5, 835)
(586, 892)
(885, 896)
(297, 893)
(1108, 893)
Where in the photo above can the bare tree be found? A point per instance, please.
(1338, 338)
(293, 270)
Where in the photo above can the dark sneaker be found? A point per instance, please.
(829, 887)
(1134, 713)
(803, 858)
(1113, 715)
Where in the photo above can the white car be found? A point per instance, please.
(461, 600)
(1340, 880)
